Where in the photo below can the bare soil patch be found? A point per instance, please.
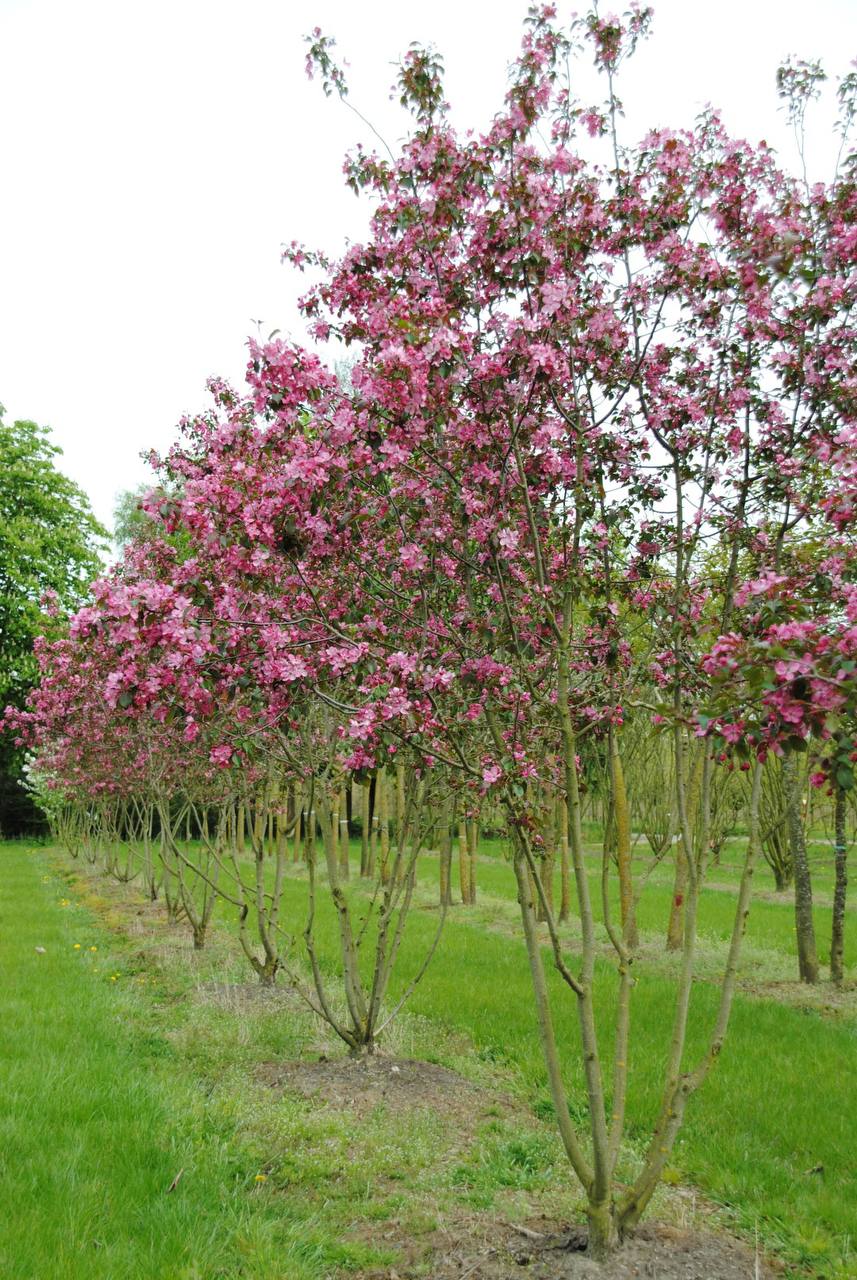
(477, 1249)
(400, 1084)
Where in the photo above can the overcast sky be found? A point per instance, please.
(156, 155)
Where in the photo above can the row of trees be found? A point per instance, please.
(587, 487)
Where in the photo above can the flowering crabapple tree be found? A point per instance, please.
(793, 655)
(193, 650)
(107, 777)
(579, 365)
(596, 401)
(289, 681)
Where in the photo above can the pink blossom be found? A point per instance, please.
(491, 774)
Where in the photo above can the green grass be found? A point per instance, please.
(771, 924)
(98, 1116)
(778, 1104)
(108, 1088)
(754, 1129)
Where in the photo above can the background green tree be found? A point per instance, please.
(49, 542)
(130, 522)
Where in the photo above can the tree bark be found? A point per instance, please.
(445, 859)
(463, 861)
(675, 930)
(806, 949)
(472, 847)
(840, 857)
(622, 819)
(383, 797)
(565, 874)
(364, 829)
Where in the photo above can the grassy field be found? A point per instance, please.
(122, 1067)
(98, 1116)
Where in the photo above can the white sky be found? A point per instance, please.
(155, 156)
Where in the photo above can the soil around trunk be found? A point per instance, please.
(474, 1250)
(400, 1084)
(483, 1245)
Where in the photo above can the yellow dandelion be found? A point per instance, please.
(93, 948)
(77, 946)
(261, 1177)
(113, 977)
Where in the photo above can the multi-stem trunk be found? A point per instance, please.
(383, 799)
(224, 848)
(681, 1084)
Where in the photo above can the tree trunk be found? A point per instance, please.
(840, 857)
(364, 829)
(373, 827)
(622, 818)
(445, 859)
(463, 862)
(565, 874)
(472, 848)
(400, 799)
(603, 1232)
(548, 862)
(782, 879)
(675, 931)
(382, 796)
(806, 950)
(344, 834)
(298, 802)
(309, 829)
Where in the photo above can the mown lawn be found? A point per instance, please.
(98, 1116)
(108, 1088)
(771, 924)
(773, 1132)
